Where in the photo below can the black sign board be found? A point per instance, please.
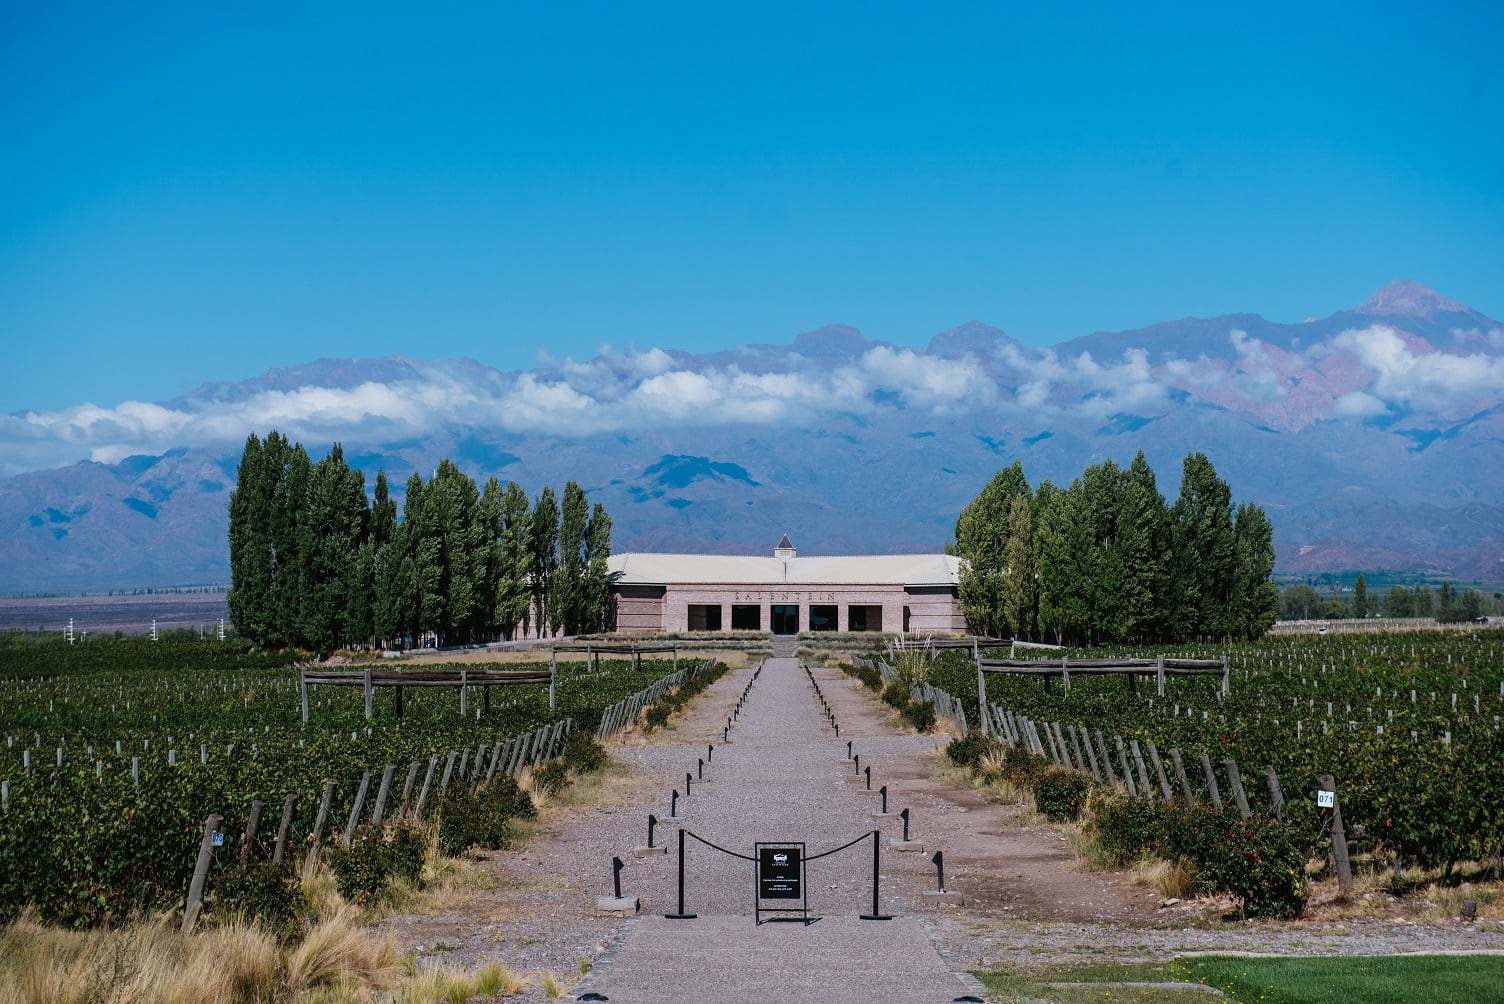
(780, 878)
(779, 873)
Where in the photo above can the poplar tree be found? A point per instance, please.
(545, 561)
(1205, 552)
(1256, 598)
(569, 586)
(597, 575)
(981, 543)
(1141, 551)
(251, 598)
(331, 526)
(516, 535)
(287, 539)
(1021, 570)
(1360, 596)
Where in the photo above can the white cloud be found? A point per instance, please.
(1437, 381)
(636, 390)
(1358, 404)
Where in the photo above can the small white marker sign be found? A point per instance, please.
(1325, 799)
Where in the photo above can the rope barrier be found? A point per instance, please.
(826, 854)
(745, 857)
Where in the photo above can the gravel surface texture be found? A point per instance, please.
(784, 776)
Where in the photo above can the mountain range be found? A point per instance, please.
(1374, 439)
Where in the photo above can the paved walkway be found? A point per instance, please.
(782, 777)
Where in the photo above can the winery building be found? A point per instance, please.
(786, 594)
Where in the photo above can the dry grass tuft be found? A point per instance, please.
(320, 888)
(142, 962)
(338, 950)
(1171, 879)
(497, 979)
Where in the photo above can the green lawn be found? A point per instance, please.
(1417, 979)
(1428, 979)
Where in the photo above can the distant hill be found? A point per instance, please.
(1373, 437)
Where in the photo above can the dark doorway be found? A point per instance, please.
(784, 617)
(746, 617)
(864, 618)
(824, 617)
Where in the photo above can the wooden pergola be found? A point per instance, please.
(1064, 667)
(400, 679)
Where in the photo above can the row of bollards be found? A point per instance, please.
(617, 903)
(905, 843)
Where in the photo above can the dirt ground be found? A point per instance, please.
(1028, 899)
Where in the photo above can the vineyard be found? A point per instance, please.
(115, 751)
(1408, 725)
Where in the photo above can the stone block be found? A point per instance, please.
(943, 896)
(610, 904)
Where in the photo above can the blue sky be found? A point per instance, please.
(195, 194)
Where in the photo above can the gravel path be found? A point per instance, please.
(782, 777)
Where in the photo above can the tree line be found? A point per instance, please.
(316, 564)
(1447, 605)
(1107, 559)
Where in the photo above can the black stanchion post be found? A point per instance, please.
(877, 851)
(681, 915)
(939, 860)
(837, 727)
(883, 791)
(652, 823)
(616, 866)
(688, 777)
(710, 752)
(673, 805)
(848, 749)
(905, 816)
(857, 759)
(700, 770)
(868, 771)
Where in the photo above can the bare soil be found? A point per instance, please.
(1029, 902)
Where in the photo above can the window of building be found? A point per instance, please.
(704, 616)
(823, 617)
(746, 617)
(864, 618)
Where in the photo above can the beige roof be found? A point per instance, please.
(865, 569)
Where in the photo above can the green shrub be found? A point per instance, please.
(896, 695)
(265, 892)
(407, 843)
(868, 675)
(1022, 767)
(921, 715)
(1061, 794)
(1261, 862)
(551, 777)
(583, 754)
(363, 870)
(969, 750)
(657, 716)
(482, 818)
(1126, 828)
(510, 797)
